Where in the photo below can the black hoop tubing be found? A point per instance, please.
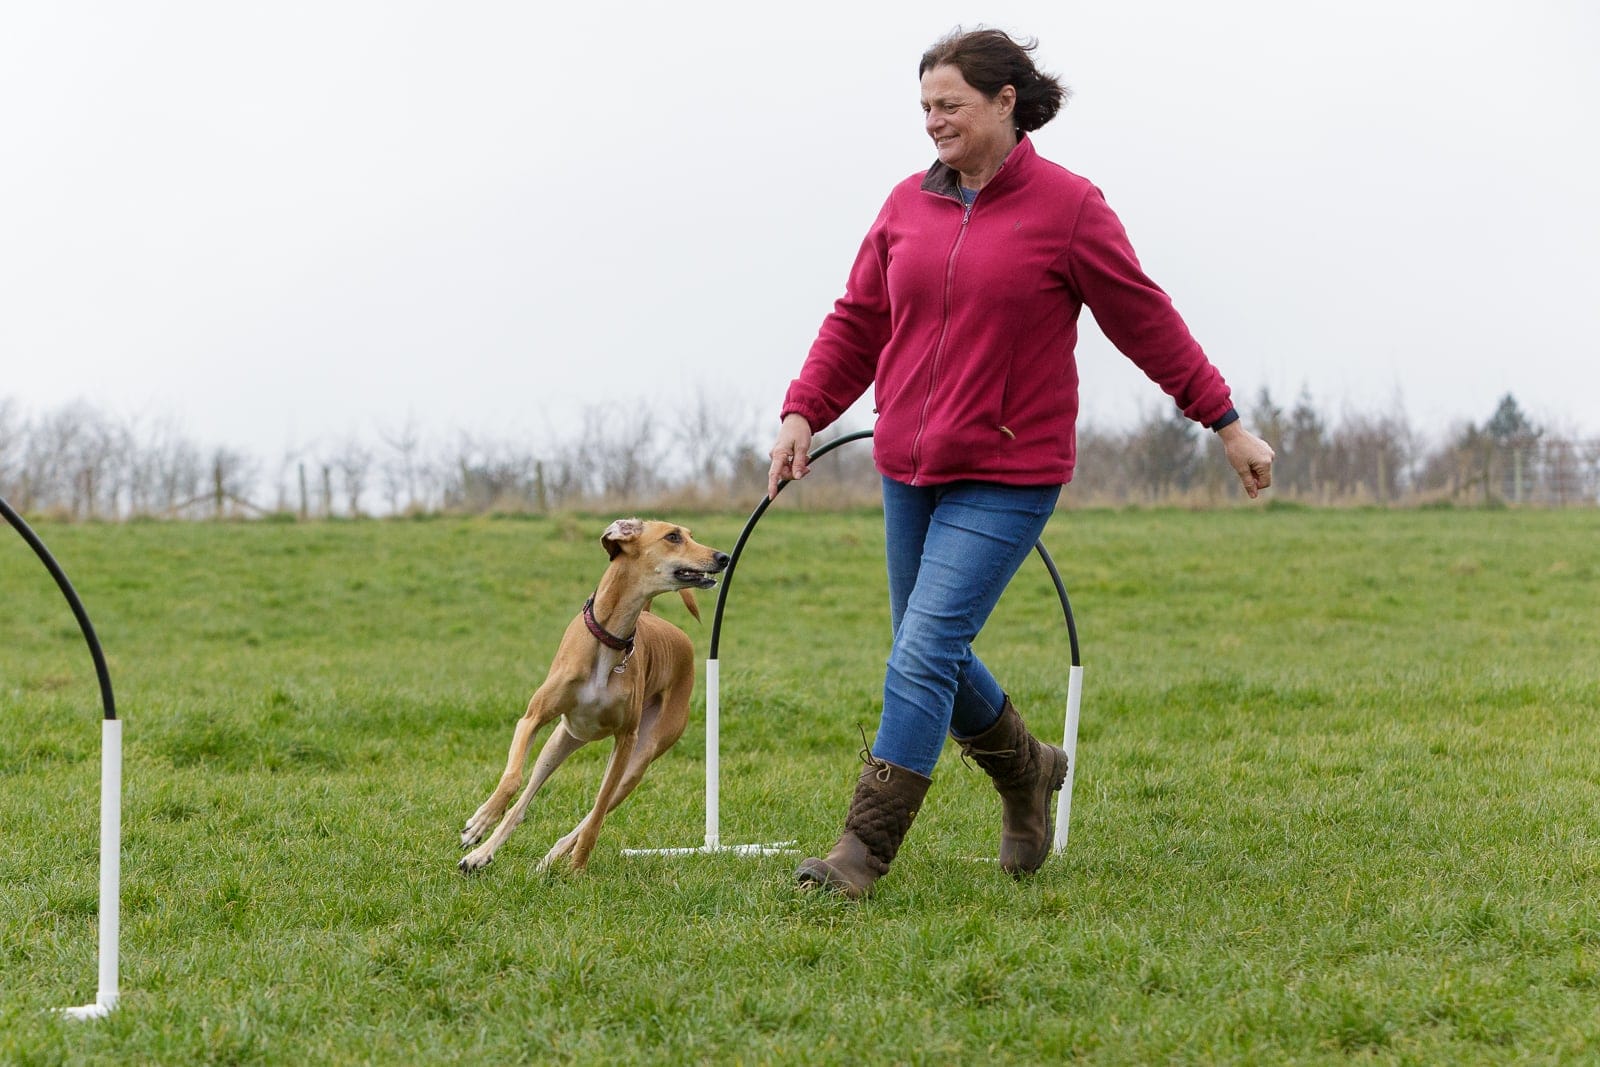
(107, 700)
(1066, 605)
(750, 525)
(761, 509)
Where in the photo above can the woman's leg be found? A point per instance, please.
(907, 513)
(952, 550)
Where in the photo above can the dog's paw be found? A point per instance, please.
(478, 825)
(475, 861)
(560, 850)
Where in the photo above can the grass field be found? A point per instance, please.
(1338, 799)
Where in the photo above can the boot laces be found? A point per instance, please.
(881, 767)
(974, 750)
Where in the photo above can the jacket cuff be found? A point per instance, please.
(796, 403)
(1228, 418)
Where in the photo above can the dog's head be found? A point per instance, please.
(664, 556)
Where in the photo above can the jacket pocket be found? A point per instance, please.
(1004, 412)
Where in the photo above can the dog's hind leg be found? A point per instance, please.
(583, 835)
(563, 847)
(657, 733)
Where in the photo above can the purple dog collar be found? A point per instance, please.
(610, 640)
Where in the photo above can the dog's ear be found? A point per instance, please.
(618, 532)
(688, 600)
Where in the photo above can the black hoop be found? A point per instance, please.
(761, 509)
(107, 700)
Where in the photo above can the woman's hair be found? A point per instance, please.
(990, 60)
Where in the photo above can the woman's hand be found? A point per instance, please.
(790, 453)
(1250, 457)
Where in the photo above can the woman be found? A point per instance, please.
(961, 312)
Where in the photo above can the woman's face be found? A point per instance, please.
(971, 132)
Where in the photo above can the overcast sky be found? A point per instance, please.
(290, 223)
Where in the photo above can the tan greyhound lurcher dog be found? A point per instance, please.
(601, 684)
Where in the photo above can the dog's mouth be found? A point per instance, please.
(690, 576)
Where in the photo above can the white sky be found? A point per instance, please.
(289, 223)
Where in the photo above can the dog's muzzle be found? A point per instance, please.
(703, 579)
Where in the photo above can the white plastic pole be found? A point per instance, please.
(1070, 744)
(713, 785)
(110, 871)
(713, 753)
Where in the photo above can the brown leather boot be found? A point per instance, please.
(1026, 773)
(887, 799)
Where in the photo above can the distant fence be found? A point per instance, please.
(1553, 473)
(81, 467)
(1547, 473)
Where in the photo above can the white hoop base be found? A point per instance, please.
(97, 1010)
(776, 848)
(714, 787)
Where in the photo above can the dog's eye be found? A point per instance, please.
(675, 537)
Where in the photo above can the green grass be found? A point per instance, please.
(1338, 799)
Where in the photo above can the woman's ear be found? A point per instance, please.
(1007, 99)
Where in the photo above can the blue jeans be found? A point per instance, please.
(952, 549)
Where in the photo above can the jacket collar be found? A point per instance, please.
(942, 180)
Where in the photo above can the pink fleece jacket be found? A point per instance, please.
(964, 321)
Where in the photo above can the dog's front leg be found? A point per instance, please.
(490, 810)
(561, 745)
(541, 709)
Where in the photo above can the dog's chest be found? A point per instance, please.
(600, 703)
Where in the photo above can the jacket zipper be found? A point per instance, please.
(938, 348)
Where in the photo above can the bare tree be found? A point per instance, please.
(13, 433)
(1305, 442)
(1558, 471)
(353, 462)
(401, 470)
(712, 442)
(1589, 458)
(164, 470)
(620, 447)
(489, 475)
(1101, 475)
(78, 462)
(43, 483)
(1165, 454)
(1271, 424)
(1447, 471)
(233, 477)
(1369, 458)
(68, 461)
